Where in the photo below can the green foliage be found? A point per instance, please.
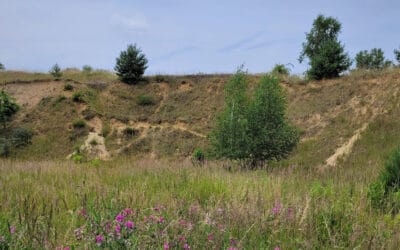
(145, 100)
(21, 137)
(254, 129)
(198, 156)
(5, 147)
(55, 71)
(129, 132)
(78, 97)
(79, 123)
(2, 67)
(326, 55)
(397, 55)
(159, 78)
(87, 69)
(131, 64)
(8, 107)
(374, 59)
(280, 70)
(376, 194)
(68, 87)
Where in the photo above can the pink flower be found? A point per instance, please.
(127, 211)
(129, 224)
(118, 228)
(276, 248)
(186, 246)
(12, 230)
(182, 222)
(161, 220)
(166, 246)
(156, 209)
(82, 212)
(119, 218)
(277, 208)
(290, 212)
(210, 237)
(182, 238)
(233, 242)
(99, 239)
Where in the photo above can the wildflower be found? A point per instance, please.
(166, 246)
(67, 248)
(119, 218)
(99, 239)
(182, 222)
(210, 237)
(129, 224)
(12, 230)
(82, 212)
(186, 246)
(127, 211)
(161, 220)
(157, 209)
(182, 238)
(233, 242)
(276, 248)
(145, 219)
(277, 208)
(118, 229)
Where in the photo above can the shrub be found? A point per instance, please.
(129, 132)
(198, 157)
(280, 70)
(8, 107)
(79, 123)
(93, 142)
(21, 137)
(145, 100)
(253, 129)
(5, 147)
(131, 64)
(55, 71)
(159, 78)
(374, 59)
(87, 69)
(68, 87)
(2, 67)
(326, 55)
(78, 97)
(388, 184)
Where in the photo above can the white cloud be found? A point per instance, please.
(133, 23)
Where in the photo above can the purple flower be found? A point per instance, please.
(166, 246)
(129, 224)
(182, 238)
(161, 220)
(127, 211)
(12, 230)
(119, 218)
(210, 237)
(233, 242)
(67, 248)
(276, 248)
(118, 229)
(186, 246)
(99, 239)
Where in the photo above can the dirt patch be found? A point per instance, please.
(28, 95)
(164, 89)
(94, 146)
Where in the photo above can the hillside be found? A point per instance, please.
(331, 114)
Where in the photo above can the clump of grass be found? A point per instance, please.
(68, 87)
(129, 132)
(78, 97)
(145, 100)
(93, 142)
(77, 124)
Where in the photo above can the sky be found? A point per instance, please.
(185, 36)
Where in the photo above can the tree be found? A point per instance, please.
(8, 108)
(131, 64)
(326, 55)
(55, 71)
(280, 70)
(2, 67)
(374, 59)
(397, 55)
(253, 129)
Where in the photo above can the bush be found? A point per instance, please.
(55, 71)
(21, 137)
(159, 78)
(68, 87)
(145, 100)
(129, 132)
(87, 69)
(8, 107)
(131, 65)
(253, 129)
(5, 147)
(78, 97)
(325, 53)
(388, 184)
(79, 123)
(198, 157)
(374, 59)
(280, 70)
(2, 67)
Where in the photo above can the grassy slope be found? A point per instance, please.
(320, 209)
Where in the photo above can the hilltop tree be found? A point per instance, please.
(326, 55)
(55, 71)
(2, 67)
(374, 59)
(397, 55)
(253, 129)
(8, 107)
(131, 64)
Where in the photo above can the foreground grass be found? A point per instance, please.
(50, 204)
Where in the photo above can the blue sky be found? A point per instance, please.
(184, 36)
